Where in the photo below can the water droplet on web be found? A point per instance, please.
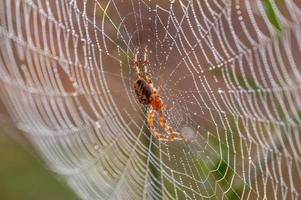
(75, 84)
(98, 125)
(96, 147)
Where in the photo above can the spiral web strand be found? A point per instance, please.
(229, 72)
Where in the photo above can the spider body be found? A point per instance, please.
(147, 94)
(143, 91)
(156, 102)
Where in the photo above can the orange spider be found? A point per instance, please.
(147, 94)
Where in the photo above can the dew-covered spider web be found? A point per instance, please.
(228, 70)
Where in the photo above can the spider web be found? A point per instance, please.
(229, 72)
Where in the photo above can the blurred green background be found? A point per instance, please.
(23, 174)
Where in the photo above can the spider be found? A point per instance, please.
(147, 94)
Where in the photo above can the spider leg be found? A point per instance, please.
(136, 63)
(145, 65)
(145, 62)
(150, 121)
(164, 106)
(172, 135)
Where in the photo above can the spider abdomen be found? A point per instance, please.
(143, 91)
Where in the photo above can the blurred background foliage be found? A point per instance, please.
(23, 174)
